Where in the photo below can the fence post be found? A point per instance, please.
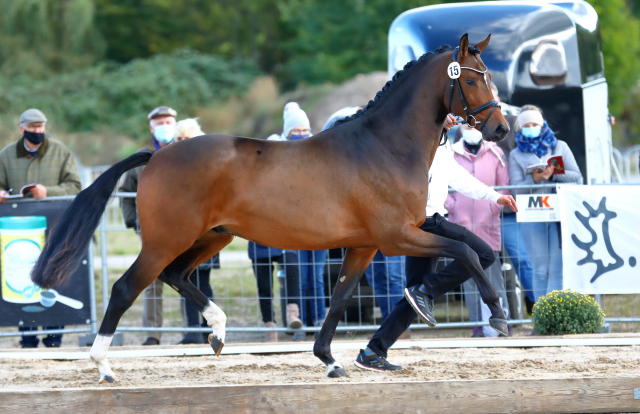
(92, 292)
(103, 256)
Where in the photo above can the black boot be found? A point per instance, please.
(192, 338)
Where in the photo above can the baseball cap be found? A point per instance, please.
(32, 115)
(162, 111)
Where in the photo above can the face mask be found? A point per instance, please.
(531, 132)
(164, 133)
(471, 136)
(35, 138)
(295, 137)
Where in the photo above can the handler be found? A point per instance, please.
(424, 284)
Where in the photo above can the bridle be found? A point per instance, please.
(470, 113)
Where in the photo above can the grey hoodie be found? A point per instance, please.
(519, 161)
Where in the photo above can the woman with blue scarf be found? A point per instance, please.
(536, 144)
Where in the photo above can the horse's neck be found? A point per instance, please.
(409, 120)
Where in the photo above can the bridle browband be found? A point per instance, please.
(470, 113)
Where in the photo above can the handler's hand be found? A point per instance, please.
(449, 121)
(39, 191)
(507, 200)
(2, 199)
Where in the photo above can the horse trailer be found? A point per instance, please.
(545, 53)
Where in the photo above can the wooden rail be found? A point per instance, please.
(580, 395)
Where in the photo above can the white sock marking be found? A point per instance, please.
(98, 354)
(216, 319)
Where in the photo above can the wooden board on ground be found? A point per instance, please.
(582, 395)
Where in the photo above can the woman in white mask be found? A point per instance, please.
(486, 162)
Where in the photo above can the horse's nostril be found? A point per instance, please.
(501, 131)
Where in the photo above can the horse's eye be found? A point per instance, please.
(471, 82)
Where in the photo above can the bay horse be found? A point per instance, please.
(361, 185)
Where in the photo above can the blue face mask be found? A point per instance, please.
(531, 132)
(164, 133)
(295, 137)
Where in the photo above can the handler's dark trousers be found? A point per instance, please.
(422, 270)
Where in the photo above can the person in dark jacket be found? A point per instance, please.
(162, 124)
(263, 259)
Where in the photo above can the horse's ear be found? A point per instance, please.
(482, 45)
(464, 47)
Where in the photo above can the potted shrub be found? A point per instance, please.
(567, 312)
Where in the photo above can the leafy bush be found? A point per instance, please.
(119, 97)
(565, 311)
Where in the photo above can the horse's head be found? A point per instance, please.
(471, 97)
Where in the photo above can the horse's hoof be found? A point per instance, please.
(337, 373)
(499, 325)
(108, 379)
(216, 344)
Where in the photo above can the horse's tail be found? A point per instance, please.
(68, 240)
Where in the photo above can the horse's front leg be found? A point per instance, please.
(355, 263)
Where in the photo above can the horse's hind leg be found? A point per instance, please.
(417, 242)
(177, 274)
(125, 291)
(353, 267)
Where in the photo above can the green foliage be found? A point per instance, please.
(120, 96)
(565, 311)
(620, 32)
(229, 28)
(334, 40)
(41, 37)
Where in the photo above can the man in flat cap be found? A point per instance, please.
(50, 165)
(162, 124)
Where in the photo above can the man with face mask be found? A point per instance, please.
(50, 165)
(162, 124)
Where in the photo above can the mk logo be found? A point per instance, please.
(539, 201)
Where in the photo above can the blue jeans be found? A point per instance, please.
(542, 241)
(517, 251)
(31, 341)
(387, 278)
(312, 264)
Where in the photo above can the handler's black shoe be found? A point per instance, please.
(421, 303)
(374, 362)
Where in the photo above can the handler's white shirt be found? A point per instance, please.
(446, 172)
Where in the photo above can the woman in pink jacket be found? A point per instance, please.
(486, 162)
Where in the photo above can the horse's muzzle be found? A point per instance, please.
(499, 133)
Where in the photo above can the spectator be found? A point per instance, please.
(486, 162)
(162, 124)
(511, 229)
(185, 129)
(262, 258)
(536, 143)
(36, 159)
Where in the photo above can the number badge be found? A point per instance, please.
(453, 70)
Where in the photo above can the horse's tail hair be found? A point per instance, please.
(70, 237)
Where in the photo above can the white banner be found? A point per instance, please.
(536, 208)
(600, 238)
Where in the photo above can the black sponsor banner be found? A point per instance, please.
(21, 236)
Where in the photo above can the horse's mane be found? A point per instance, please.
(411, 64)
